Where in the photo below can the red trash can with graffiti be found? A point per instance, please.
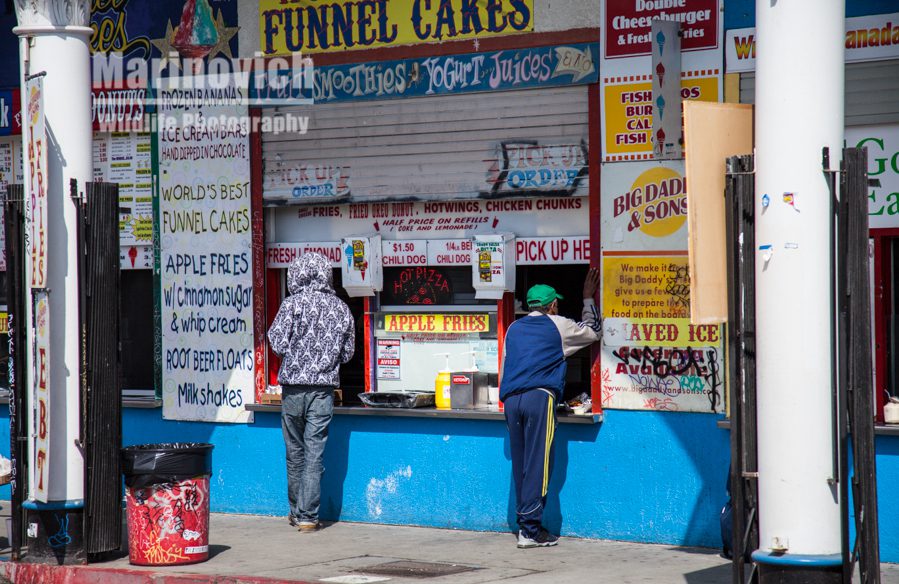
(167, 492)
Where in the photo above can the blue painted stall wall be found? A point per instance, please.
(640, 476)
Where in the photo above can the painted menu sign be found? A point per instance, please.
(205, 260)
(533, 67)
(318, 26)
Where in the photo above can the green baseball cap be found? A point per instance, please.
(542, 295)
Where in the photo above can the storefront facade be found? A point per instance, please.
(524, 138)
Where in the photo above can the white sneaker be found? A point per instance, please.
(542, 539)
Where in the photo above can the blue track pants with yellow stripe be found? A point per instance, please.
(531, 418)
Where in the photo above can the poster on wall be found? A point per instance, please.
(644, 206)
(388, 355)
(662, 364)
(289, 26)
(627, 71)
(652, 357)
(206, 274)
(882, 143)
(36, 207)
(6, 178)
(125, 158)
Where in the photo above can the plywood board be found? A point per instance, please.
(712, 132)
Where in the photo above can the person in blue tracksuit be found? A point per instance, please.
(532, 380)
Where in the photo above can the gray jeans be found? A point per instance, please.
(306, 411)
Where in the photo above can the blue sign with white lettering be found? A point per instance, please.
(10, 113)
(494, 71)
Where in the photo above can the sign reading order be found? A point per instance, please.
(319, 26)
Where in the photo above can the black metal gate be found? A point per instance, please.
(853, 389)
(15, 297)
(856, 384)
(101, 407)
(740, 217)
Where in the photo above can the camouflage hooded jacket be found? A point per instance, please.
(313, 332)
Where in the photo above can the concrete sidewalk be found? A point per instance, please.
(255, 549)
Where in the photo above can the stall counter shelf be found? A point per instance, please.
(431, 413)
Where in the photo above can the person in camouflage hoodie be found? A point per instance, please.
(313, 334)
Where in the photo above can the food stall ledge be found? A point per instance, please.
(430, 413)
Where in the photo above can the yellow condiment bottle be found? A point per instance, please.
(442, 384)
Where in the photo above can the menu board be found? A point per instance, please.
(205, 256)
(126, 159)
(7, 176)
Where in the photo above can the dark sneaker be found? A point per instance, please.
(309, 526)
(294, 522)
(542, 539)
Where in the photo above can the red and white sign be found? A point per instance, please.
(402, 220)
(37, 185)
(281, 255)
(461, 380)
(628, 23)
(388, 357)
(868, 38)
(404, 253)
(530, 251)
(40, 484)
(536, 251)
(449, 252)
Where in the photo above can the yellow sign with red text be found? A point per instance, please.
(628, 114)
(325, 26)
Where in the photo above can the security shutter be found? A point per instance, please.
(872, 92)
(428, 148)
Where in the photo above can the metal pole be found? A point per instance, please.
(799, 111)
(54, 39)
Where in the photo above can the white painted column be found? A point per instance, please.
(799, 110)
(54, 38)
